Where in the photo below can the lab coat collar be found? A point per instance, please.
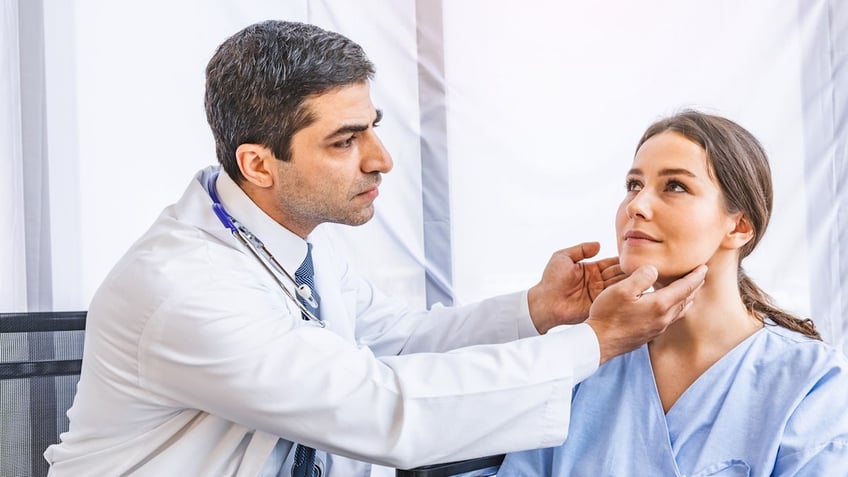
(287, 248)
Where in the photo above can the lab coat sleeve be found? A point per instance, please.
(494, 320)
(242, 354)
(388, 327)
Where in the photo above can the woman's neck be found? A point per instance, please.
(716, 322)
(717, 318)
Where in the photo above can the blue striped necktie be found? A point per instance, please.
(304, 457)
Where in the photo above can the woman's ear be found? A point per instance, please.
(253, 162)
(741, 234)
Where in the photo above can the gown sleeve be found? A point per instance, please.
(815, 441)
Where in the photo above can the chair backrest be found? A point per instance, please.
(40, 362)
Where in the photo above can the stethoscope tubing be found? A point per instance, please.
(258, 250)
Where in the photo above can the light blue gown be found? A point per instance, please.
(775, 405)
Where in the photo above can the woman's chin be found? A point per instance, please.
(630, 266)
(627, 266)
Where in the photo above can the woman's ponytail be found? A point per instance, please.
(761, 305)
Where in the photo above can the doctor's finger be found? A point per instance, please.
(611, 272)
(679, 295)
(639, 281)
(608, 282)
(582, 251)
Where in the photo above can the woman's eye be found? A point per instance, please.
(633, 185)
(675, 186)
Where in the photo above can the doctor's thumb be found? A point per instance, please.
(640, 281)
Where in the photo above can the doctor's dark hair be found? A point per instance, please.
(738, 162)
(258, 80)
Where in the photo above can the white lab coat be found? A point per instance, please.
(196, 364)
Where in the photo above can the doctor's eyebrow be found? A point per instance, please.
(354, 128)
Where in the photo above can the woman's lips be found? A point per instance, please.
(635, 236)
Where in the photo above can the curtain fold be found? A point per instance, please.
(839, 44)
(13, 286)
(825, 93)
(35, 157)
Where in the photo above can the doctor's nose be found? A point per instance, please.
(375, 157)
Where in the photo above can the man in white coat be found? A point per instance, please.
(211, 353)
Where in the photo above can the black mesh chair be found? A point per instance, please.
(40, 362)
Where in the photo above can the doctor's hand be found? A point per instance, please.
(625, 317)
(569, 286)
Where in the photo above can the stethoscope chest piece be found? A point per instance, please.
(305, 292)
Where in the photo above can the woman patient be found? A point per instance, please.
(737, 387)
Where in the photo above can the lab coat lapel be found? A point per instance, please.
(335, 312)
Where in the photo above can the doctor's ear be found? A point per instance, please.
(741, 234)
(253, 161)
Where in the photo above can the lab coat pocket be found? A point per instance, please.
(727, 468)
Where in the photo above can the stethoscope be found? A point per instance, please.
(257, 248)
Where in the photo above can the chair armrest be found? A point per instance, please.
(490, 463)
(39, 321)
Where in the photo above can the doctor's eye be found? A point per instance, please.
(345, 143)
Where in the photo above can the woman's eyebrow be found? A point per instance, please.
(676, 172)
(663, 172)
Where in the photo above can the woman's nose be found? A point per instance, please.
(639, 205)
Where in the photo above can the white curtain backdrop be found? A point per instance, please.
(511, 125)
